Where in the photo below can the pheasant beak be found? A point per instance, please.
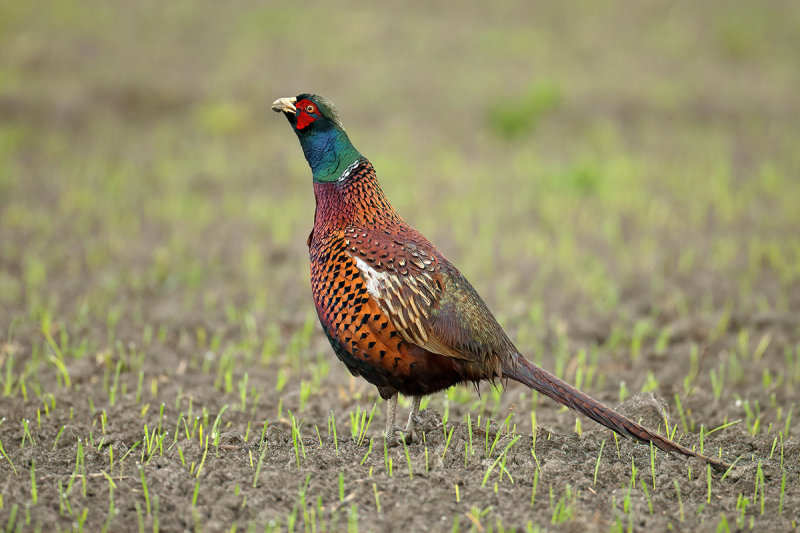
(285, 105)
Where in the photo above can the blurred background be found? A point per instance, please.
(594, 170)
(619, 180)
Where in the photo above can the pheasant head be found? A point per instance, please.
(325, 144)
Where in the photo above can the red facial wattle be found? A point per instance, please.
(304, 118)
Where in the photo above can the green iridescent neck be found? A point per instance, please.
(329, 152)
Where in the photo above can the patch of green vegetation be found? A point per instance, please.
(512, 116)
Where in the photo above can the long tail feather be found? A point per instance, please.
(539, 379)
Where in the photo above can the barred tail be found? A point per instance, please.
(539, 379)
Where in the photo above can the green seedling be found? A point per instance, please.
(496, 461)
(145, 491)
(597, 463)
(7, 458)
(447, 442)
(377, 497)
(34, 491)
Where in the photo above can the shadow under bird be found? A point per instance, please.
(394, 309)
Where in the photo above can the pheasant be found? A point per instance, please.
(394, 309)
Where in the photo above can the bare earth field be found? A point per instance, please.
(620, 182)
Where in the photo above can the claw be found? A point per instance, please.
(396, 437)
(393, 437)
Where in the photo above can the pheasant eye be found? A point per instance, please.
(310, 108)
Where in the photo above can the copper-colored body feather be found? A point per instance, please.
(379, 286)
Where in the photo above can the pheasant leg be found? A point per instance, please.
(413, 417)
(391, 430)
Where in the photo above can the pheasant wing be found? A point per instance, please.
(428, 301)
